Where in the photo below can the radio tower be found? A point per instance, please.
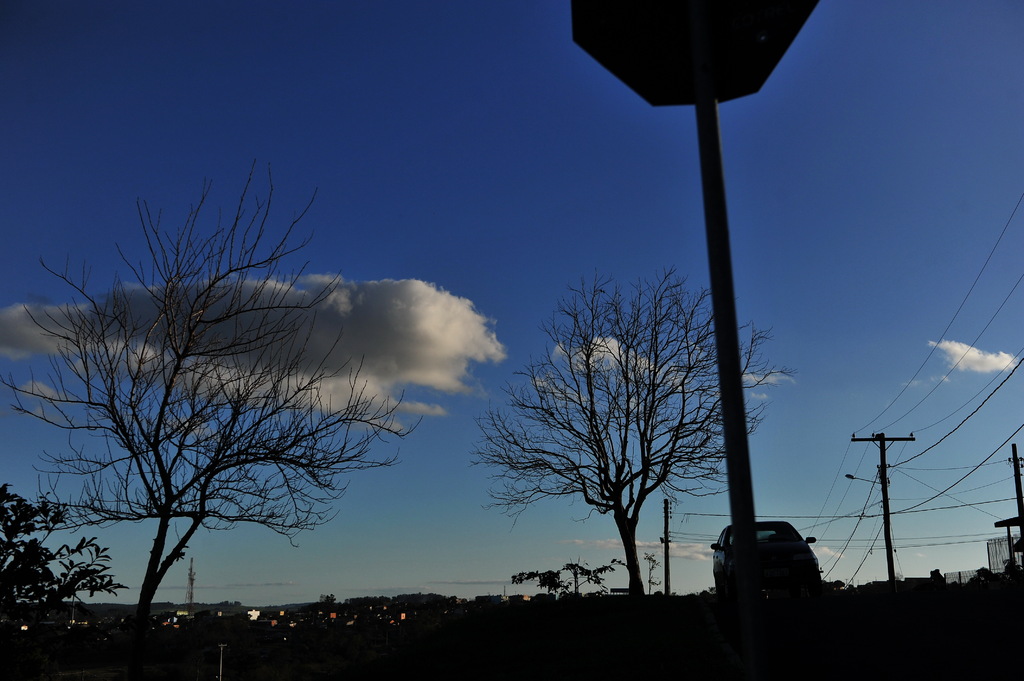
(190, 590)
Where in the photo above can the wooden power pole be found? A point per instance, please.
(665, 540)
(883, 475)
(1018, 520)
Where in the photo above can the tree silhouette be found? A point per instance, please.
(580, 574)
(198, 372)
(35, 579)
(652, 565)
(625, 402)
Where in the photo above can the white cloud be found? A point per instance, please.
(686, 551)
(600, 544)
(826, 552)
(701, 552)
(400, 333)
(19, 334)
(966, 358)
(406, 333)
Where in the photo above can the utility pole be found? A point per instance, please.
(665, 540)
(1016, 477)
(883, 474)
(1020, 502)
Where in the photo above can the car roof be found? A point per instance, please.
(767, 524)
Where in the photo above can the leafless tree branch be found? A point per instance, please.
(197, 373)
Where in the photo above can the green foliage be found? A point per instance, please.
(579, 575)
(652, 565)
(550, 580)
(36, 580)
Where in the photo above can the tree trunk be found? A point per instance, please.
(141, 629)
(144, 607)
(627, 533)
(156, 569)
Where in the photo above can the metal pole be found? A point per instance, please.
(730, 371)
(220, 671)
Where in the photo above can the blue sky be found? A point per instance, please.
(472, 151)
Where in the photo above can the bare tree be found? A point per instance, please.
(624, 403)
(199, 374)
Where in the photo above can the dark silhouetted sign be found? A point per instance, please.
(646, 43)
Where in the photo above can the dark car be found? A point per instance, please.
(787, 561)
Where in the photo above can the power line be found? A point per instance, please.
(961, 538)
(860, 518)
(950, 324)
(956, 364)
(948, 468)
(966, 418)
(934, 489)
(968, 473)
(969, 400)
(828, 496)
(863, 560)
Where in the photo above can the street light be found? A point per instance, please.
(220, 673)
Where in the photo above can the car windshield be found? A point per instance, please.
(776, 532)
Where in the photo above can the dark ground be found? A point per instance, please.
(933, 636)
(613, 637)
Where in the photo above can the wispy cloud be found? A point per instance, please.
(239, 585)
(471, 582)
(964, 357)
(686, 551)
(826, 552)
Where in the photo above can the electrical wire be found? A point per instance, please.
(865, 558)
(842, 465)
(934, 489)
(950, 324)
(971, 399)
(966, 418)
(961, 539)
(861, 517)
(950, 468)
(956, 364)
(968, 473)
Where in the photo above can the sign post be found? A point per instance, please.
(701, 53)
